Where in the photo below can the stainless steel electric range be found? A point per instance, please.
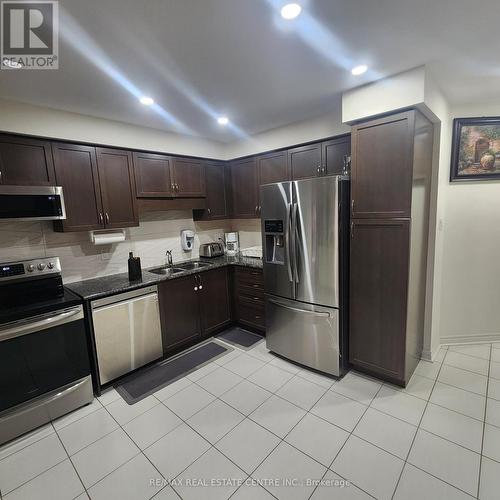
(44, 363)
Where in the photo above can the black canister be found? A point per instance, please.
(134, 267)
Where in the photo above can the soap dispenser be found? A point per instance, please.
(187, 240)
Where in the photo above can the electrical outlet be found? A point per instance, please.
(219, 236)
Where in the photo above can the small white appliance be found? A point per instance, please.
(187, 240)
(232, 243)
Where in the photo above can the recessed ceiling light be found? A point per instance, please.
(223, 120)
(359, 70)
(10, 63)
(290, 11)
(147, 101)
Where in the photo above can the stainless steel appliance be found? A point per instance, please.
(44, 362)
(232, 243)
(305, 238)
(127, 332)
(25, 203)
(215, 249)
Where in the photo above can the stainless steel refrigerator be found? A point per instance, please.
(305, 237)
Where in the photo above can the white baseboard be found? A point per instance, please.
(429, 355)
(470, 339)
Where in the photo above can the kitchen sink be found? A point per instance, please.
(166, 271)
(188, 266)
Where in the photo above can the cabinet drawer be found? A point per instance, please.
(251, 314)
(250, 277)
(250, 294)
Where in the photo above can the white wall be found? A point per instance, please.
(399, 91)
(320, 127)
(470, 277)
(35, 120)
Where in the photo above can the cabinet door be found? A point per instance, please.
(217, 195)
(179, 311)
(273, 167)
(25, 162)
(116, 178)
(215, 305)
(153, 175)
(305, 161)
(378, 295)
(189, 178)
(245, 182)
(381, 171)
(334, 155)
(76, 171)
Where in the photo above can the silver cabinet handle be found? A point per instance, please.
(209, 211)
(19, 328)
(201, 287)
(296, 309)
(0, 177)
(195, 288)
(101, 219)
(107, 217)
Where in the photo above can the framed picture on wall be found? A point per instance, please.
(475, 149)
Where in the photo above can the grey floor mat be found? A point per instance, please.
(141, 384)
(240, 337)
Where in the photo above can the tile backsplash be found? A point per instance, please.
(81, 259)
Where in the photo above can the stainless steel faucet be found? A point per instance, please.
(169, 258)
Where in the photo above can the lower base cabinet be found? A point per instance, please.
(194, 307)
(249, 305)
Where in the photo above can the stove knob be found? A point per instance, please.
(31, 268)
(41, 266)
(50, 265)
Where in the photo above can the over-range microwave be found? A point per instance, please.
(26, 203)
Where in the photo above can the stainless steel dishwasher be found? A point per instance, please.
(127, 332)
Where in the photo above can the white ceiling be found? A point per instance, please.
(201, 58)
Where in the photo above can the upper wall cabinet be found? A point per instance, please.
(335, 154)
(189, 178)
(76, 171)
(218, 186)
(245, 179)
(153, 176)
(25, 162)
(273, 167)
(382, 167)
(116, 177)
(98, 186)
(305, 161)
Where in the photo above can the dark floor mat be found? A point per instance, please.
(145, 382)
(240, 337)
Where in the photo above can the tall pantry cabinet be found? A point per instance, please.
(391, 180)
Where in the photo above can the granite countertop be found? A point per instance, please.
(116, 283)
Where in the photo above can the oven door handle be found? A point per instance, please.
(24, 327)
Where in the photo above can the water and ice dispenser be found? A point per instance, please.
(274, 237)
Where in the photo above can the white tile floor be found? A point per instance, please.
(251, 416)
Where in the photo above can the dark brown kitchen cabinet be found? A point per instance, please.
(378, 295)
(382, 167)
(390, 186)
(218, 187)
(215, 302)
(76, 171)
(273, 167)
(335, 155)
(153, 176)
(25, 161)
(179, 311)
(116, 178)
(189, 178)
(249, 305)
(305, 161)
(245, 181)
(98, 187)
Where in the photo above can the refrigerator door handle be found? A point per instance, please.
(288, 244)
(296, 309)
(295, 239)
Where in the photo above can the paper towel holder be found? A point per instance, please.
(107, 237)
